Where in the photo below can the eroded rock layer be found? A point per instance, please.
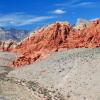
(55, 37)
(7, 45)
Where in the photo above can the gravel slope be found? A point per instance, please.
(14, 90)
(5, 58)
(75, 73)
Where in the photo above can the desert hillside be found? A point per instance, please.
(56, 37)
(64, 75)
(49, 50)
(56, 62)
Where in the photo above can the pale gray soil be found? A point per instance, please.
(75, 73)
(5, 59)
(14, 90)
(65, 75)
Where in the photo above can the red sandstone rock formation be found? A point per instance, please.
(7, 45)
(38, 45)
(54, 37)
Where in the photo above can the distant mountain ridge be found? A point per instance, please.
(12, 34)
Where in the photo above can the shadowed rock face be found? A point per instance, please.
(55, 37)
(7, 45)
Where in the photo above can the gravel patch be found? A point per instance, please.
(5, 59)
(75, 73)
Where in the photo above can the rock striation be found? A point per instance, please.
(55, 37)
(7, 45)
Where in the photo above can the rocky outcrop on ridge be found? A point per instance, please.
(81, 24)
(46, 40)
(54, 38)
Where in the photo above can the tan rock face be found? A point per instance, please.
(55, 37)
(81, 24)
(7, 45)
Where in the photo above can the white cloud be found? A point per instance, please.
(58, 11)
(21, 19)
(35, 19)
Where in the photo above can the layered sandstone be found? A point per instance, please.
(55, 37)
(38, 45)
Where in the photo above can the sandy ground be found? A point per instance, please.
(5, 59)
(73, 74)
(12, 88)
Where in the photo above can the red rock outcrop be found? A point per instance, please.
(55, 37)
(7, 45)
(87, 38)
(41, 43)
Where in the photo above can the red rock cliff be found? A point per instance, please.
(54, 37)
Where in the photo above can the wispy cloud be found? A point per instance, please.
(68, 3)
(84, 4)
(21, 19)
(58, 11)
(77, 3)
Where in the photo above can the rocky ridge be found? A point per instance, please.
(81, 24)
(55, 37)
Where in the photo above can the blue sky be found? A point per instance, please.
(30, 14)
